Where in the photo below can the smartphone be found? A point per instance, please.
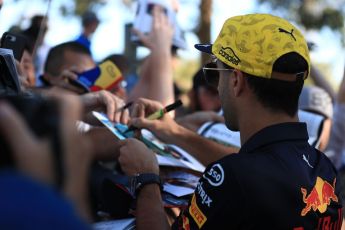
(150, 7)
(15, 42)
(9, 82)
(143, 21)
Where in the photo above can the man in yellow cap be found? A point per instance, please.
(277, 180)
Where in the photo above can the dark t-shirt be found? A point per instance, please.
(276, 181)
(27, 204)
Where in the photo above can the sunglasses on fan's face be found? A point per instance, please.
(211, 73)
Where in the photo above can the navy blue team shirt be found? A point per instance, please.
(276, 181)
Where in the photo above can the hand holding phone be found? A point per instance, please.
(14, 42)
(145, 19)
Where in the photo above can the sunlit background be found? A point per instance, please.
(65, 25)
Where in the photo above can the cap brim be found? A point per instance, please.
(206, 48)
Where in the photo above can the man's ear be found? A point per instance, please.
(238, 81)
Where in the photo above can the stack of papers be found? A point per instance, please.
(167, 155)
(123, 224)
(180, 183)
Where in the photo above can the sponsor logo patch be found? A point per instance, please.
(196, 213)
(215, 176)
(229, 55)
(185, 223)
(205, 199)
(319, 197)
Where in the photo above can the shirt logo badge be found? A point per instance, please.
(195, 212)
(307, 161)
(185, 223)
(319, 197)
(215, 176)
(288, 32)
(229, 55)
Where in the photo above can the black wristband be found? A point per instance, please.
(140, 180)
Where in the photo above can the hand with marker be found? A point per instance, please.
(164, 127)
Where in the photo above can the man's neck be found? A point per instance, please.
(249, 124)
(87, 33)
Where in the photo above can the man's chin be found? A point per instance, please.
(232, 127)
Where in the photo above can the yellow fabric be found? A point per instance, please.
(109, 74)
(253, 42)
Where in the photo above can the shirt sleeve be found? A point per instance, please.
(215, 202)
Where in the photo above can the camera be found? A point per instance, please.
(42, 117)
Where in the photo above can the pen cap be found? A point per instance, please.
(173, 106)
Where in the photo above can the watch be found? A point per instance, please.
(140, 180)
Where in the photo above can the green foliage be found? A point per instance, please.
(312, 14)
(303, 12)
(329, 17)
(83, 5)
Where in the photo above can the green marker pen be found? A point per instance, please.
(159, 114)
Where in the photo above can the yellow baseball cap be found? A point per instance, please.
(253, 42)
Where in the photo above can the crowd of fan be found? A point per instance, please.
(41, 191)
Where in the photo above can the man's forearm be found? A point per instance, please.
(156, 80)
(150, 213)
(106, 145)
(161, 77)
(206, 151)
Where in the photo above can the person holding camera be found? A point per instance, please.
(46, 185)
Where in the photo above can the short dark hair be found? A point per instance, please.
(278, 95)
(55, 58)
(120, 60)
(88, 18)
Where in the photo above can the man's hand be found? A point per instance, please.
(64, 81)
(164, 128)
(106, 101)
(160, 36)
(156, 72)
(136, 158)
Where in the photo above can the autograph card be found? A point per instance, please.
(110, 125)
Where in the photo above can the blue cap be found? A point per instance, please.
(206, 48)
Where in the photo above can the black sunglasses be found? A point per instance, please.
(211, 73)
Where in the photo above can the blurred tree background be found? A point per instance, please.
(310, 14)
